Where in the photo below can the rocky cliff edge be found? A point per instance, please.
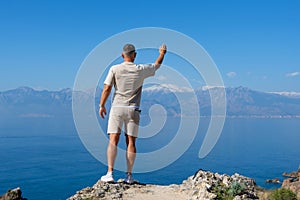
(202, 185)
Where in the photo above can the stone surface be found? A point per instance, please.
(14, 194)
(274, 180)
(292, 174)
(203, 185)
(293, 185)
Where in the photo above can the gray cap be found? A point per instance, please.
(128, 48)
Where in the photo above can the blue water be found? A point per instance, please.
(48, 161)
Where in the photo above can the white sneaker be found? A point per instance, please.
(108, 177)
(129, 179)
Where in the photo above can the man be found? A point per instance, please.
(127, 78)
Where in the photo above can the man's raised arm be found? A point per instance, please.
(162, 52)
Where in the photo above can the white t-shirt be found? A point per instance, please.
(128, 78)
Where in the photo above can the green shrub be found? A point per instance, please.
(228, 193)
(236, 188)
(282, 194)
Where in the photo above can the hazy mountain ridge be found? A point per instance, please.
(27, 102)
(241, 101)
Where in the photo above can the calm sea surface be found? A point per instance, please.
(48, 161)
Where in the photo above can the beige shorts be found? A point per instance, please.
(127, 116)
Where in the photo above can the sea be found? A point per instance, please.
(47, 159)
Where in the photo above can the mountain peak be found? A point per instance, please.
(66, 90)
(24, 89)
(167, 88)
(288, 94)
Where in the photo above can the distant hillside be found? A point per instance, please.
(241, 102)
(25, 102)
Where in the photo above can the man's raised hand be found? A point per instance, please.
(163, 49)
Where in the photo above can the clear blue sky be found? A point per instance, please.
(254, 43)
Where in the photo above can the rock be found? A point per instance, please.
(293, 183)
(274, 180)
(292, 174)
(225, 181)
(210, 184)
(202, 185)
(237, 198)
(14, 194)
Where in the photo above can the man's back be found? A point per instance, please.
(128, 79)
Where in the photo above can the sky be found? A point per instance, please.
(254, 43)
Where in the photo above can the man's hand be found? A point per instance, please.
(163, 49)
(102, 111)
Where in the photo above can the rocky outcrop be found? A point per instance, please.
(207, 185)
(15, 194)
(203, 185)
(293, 182)
(291, 174)
(274, 180)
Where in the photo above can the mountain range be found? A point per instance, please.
(25, 102)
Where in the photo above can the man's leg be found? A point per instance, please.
(111, 157)
(112, 150)
(131, 152)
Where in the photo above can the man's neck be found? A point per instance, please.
(128, 60)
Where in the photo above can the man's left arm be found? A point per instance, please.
(104, 96)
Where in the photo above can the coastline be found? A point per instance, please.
(204, 185)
